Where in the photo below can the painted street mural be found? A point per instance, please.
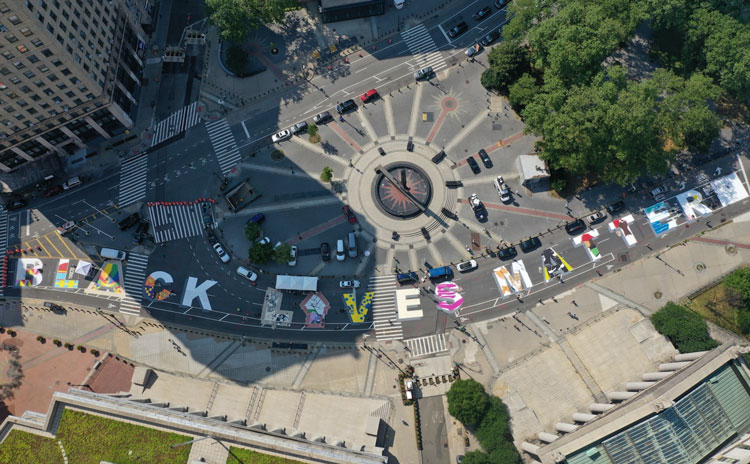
(588, 240)
(450, 300)
(554, 264)
(515, 281)
(29, 272)
(315, 306)
(621, 227)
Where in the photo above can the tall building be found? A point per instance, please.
(69, 73)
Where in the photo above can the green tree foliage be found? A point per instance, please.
(523, 91)
(312, 129)
(525, 14)
(260, 253)
(282, 253)
(236, 59)
(743, 320)
(477, 457)
(507, 61)
(236, 18)
(467, 401)
(327, 174)
(739, 280)
(252, 231)
(684, 328)
(494, 429)
(506, 453)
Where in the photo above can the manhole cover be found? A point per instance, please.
(466, 82)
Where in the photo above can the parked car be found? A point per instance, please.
(223, 256)
(507, 253)
(501, 3)
(17, 203)
(346, 106)
(72, 183)
(476, 205)
(485, 158)
(575, 227)
(368, 96)
(247, 273)
(503, 191)
(596, 217)
(407, 278)
(129, 221)
(325, 251)
(264, 240)
(473, 165)
(340, 250)
(473, 50)
(257, 219)
(530, 244)
(66, 227)
(52, 191)
(458, 29)
(438, 157)
(322, 118)
(349, 284)
(349, 214)
(424, 73)
(299, 127)
(140, 232)
(293, 253)
(660, 190)
(488, 39)
(482, 14)
(210, 235)
(616, 207)
(467, 266)
(281, 136)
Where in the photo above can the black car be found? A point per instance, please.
(501, 3)
(439, 157)
(140, 232)
(482, 14)
(485, 158)
(381, 151)
(210, 236)
(489, 38)
(325, 251)
(129, 221)
(575, 227)
(480, 212)
(473, 165)
(507, 253)
(448, 213)
(425, 234)
(458, 29)
(616, 207)
(346, 107)
(530, 244)
(15, 204)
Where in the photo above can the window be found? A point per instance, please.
(33, 58)
(44, 105)
(48, 92)
(71, 36)
(11, 38)
(19, 116)
(78, 101)
(7, 55)
(26, 89)
(29, 74)
(50, 28)
(22, 48)
(52, 77)
(74, 81)
(57, 62)
(19, 65)
(47, 53)
(65, 14)
(60, 39)
(62, 86)
(64, 28)
(12, 96)
(22, 103)
(14, 20)
(31, 111)
(43, 4)
(43, 68)
(15, 80)
(53, 15)
(4, 71)
(39, 83)
(2, 87)
(66, 72)
(36, 97)
(26, 32)
(37, 43)
(69, 49)
(70, 94)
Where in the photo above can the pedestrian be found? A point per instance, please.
(574, 303)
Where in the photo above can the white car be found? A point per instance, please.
(293, 261)
(247, 273)
(223, 256)
(280, 136)
(264, 240)
(72, 182)
(466, 266)
(349, 284)
(502, 189)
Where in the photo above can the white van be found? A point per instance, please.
(340, 252)
(247, 273)
(111, 253)
(72, 182)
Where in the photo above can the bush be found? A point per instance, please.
(95, 352)
(312, 129)
(467, 401)
(743, 320)
(81, 348)
(260, 253)
(327, 174)
(506, 453)
(252, 231)
(739, 280)
(558, 185)
(283, 253)
(12, 333)
(57, 342)
(477, 457)
(684, 328)
(494, 429)
(40, 339)
(68, 345)
(522, 92)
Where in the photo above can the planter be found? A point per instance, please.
(700, 267)
(658, 295)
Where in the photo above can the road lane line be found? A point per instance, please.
(43, 247)
(72, 254)
(59, 254)
(247, 134)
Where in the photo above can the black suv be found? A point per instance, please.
(482, 14)
(530, 244)
(507, 253)
(140, 232)
(489, 38)
(458, 29)
(473, 165)
(616, 207)
(346, 107)
(575, 227)
(485, 158)
(325, 251)
(129, 221)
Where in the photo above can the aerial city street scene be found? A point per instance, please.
(375, 231)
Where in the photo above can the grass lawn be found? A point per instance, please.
(715, 305)
(91, 439)
(252, 457)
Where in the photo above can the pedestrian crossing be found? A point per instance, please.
(173, 222)
(135, 276)
(179, 121)
(224, 145)
(424, 346)
(387, 326)
(423, 48)
(133, 180)
(4, 245)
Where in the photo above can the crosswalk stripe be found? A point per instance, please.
(176, 123)
(224, 145)
(133, 180)
(427, 345)
(135, 276)
(421, 45)
(173, 222)
(3, 244)
(387, 327)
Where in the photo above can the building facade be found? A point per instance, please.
(69, 73)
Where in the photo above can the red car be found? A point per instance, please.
(369, 95)
(349, 214)
(52, 191)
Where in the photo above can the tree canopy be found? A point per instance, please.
(467, 401)
(684, 328)
(236, 18)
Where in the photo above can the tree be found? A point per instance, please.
(467, 401)
(236, 59)
(506, 453)
(260, 253)
(507, 61)
(235, 18)
(743, 320)
(252, 231)
(522, 92)
(477, 457)
(739, 280)
(282, 253)
(314, 137)
(494, 429)
(327, 174)
(684, 328)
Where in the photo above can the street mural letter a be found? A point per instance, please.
(191, 292)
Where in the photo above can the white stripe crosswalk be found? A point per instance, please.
(173, 222)
(179, 121)
(387, 326)
(135, 276)
(224, 145)
(133, 180)
(423, 346)
(4, 245)
(423, 48)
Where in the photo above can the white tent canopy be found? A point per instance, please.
(290, 282)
